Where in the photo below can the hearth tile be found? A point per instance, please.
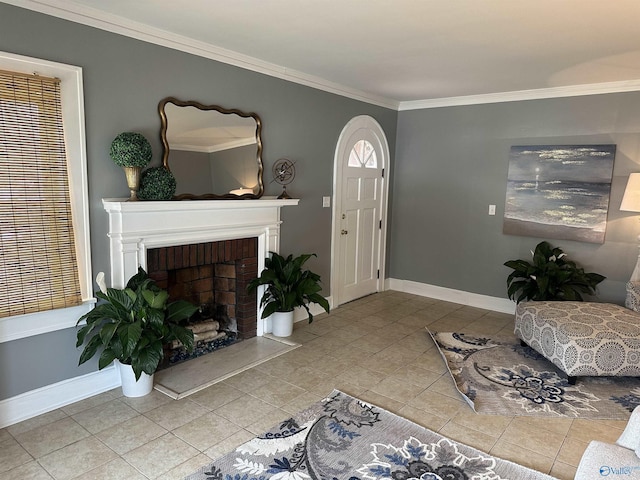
(104, 416)
(12, 455)
(176, 413)
(160, 455)
(131, 434)
(48, 438)
(206, 430)
(77, 458)
(116, 469)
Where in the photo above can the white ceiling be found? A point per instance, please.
(395, 53)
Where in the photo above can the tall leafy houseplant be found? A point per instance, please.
(288, 286)
(550, 276)
(133, 324)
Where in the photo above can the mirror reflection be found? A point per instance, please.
(213, 152)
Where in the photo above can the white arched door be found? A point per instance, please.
(359, 215)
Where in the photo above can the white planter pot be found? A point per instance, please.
(282, 323)
(131, 387)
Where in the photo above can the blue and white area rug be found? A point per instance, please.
(343, 438)
(496, 375)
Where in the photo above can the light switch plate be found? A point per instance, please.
(492, 209)
(326, 202)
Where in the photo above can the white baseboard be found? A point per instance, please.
(48, 398)
(496, 304)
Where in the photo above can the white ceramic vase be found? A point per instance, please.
(131, 387)
(282, 324)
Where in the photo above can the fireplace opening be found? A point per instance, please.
(214, 276)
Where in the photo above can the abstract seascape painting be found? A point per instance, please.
(559, 192)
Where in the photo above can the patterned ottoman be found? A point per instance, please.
(582, 338)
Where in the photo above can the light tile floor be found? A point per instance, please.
(375, 348)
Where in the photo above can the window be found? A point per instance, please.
(363, 155)
(44, 241)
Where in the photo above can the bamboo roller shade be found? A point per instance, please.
(38, 268)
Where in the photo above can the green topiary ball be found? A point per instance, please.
(157, 183)
(130, 149)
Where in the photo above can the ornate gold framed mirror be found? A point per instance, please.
(213, 152)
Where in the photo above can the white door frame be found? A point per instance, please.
(361, 121)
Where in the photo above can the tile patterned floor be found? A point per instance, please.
(375, 348)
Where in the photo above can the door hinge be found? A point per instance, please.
(383, 173)
(380, 225)
(378, 274)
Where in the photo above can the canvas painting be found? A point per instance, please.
(559, 192)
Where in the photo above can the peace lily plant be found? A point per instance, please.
(133, 324)
(550, 276)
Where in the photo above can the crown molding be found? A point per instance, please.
(520, 95)
(84, 15)
(68, 10)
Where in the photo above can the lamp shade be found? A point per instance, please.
(631, 198)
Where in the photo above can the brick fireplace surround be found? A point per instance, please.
(138, 229)
(211, 273)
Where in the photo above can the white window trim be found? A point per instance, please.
(21, 326)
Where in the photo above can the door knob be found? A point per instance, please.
(343, 232)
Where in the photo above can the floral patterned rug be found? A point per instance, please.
(497, 375)
(343, 438)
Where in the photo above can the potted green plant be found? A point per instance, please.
(131, 326)
(550, 276)
(287, 286)
(131, 151)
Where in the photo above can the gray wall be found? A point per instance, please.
(451, 163)
(124, 79)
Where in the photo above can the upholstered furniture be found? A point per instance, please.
(619, 460)
(584, 338)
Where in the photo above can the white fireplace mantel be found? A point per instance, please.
(136, 226)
